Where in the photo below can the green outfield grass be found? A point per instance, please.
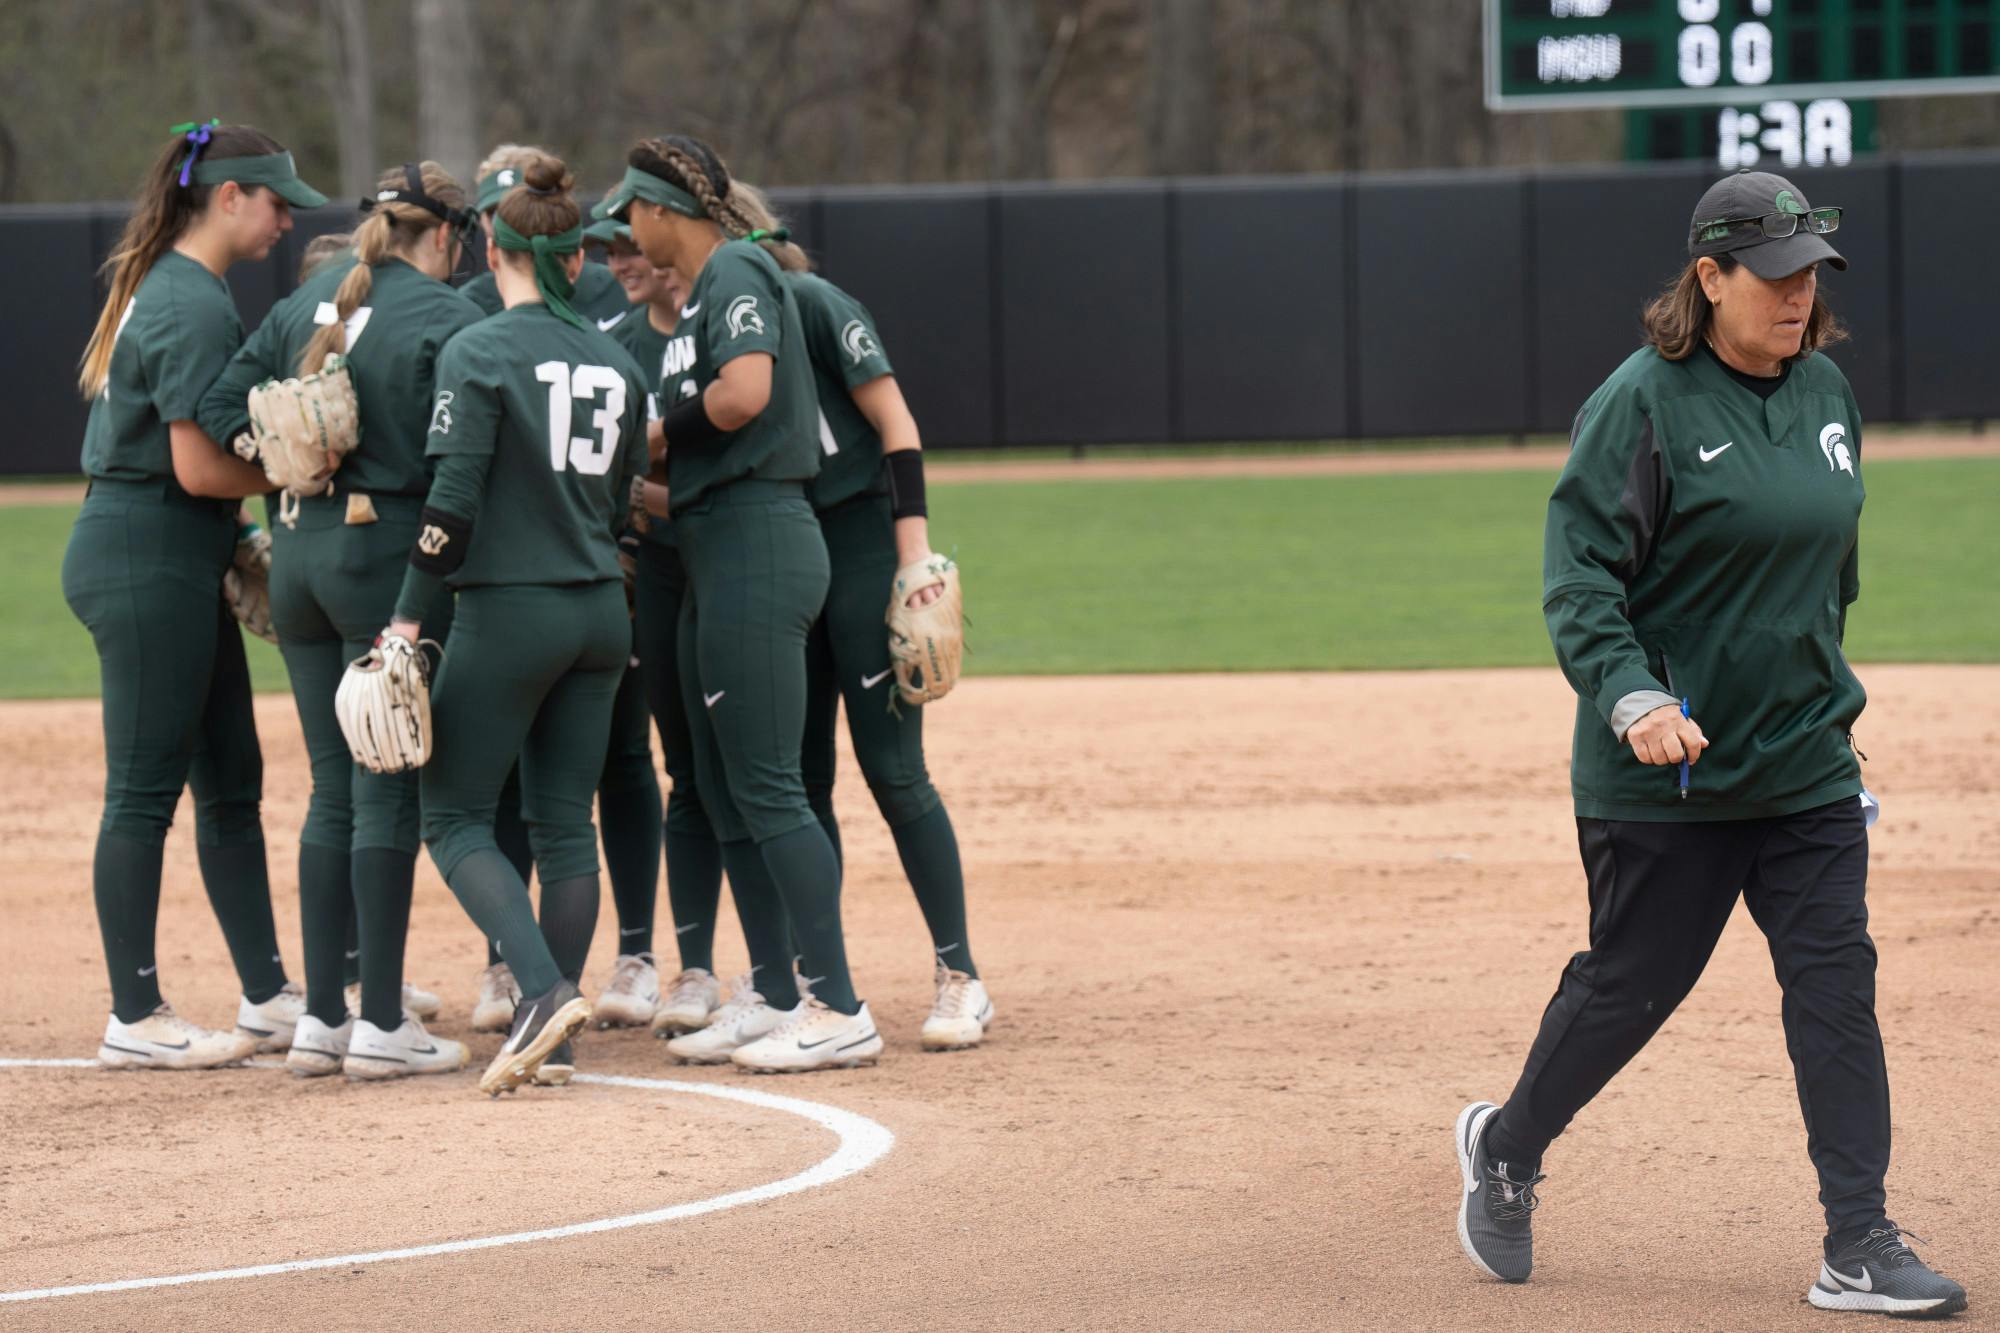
(1255, 574)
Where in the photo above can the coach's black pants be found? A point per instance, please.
(1660, 894)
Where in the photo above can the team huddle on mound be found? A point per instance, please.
(519, 526)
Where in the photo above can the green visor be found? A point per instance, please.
(274, 170)
(605, 231)
(644, 185)
(493, 187)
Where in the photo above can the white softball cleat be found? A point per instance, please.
(813, 1037)
(498, 994)
(375, 1054)
(272, 1022)
(961, 1015)
(165, 1040)
(317, 1049)
(690, 1003)
(630, 997)
(415, 999)
(744, 1019)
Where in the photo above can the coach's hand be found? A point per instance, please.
(1663, 736)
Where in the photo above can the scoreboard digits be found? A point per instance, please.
(1546, 54)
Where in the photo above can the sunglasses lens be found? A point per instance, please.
(1823, 220)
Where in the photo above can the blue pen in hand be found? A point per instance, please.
(1684, 763)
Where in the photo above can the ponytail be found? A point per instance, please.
(391, 225)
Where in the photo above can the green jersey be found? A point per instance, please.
(598, 298)
(555, 417)
(1701, 544)
(740, 304)
(392, 352)
(846, 354)
(173, 339)
(667, 362)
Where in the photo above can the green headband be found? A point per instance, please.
(273, 169)
(645, 185)
(550, 280)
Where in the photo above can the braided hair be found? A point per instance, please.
(737, 209)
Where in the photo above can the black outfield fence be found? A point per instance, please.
(1328, 307)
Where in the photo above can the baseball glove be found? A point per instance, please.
(384, 705)
(301, 429)
(246, 584)
(926, 642)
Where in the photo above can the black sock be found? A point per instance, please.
(351, 971)
(125, 880)
(326, 914)
(766, 932)
(510, 830)
(239, 892)
(821, 802)
(569, 918)
(929, 850)
(1501, 1149)
(492, 893)
(629, 820)
(383, 880)
(694, 893)
(807, 874)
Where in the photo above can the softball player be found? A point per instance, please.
(597, 297)
(159, 527)
(538, 432)
(694, 860)
(870, 499)
(739, 456)
(1699, 562)
(335, 571)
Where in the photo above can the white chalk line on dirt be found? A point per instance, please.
(863, 1142)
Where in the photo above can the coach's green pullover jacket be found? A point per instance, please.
(1701, 543)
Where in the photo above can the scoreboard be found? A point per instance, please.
(1550, 54)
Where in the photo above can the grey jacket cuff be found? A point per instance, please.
(1635, 706)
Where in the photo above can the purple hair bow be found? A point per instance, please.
(197, 136)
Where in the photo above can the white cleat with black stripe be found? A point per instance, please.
(271, 1023)
(813, 1037)
(165, 1040)
(374, 1054)
(317, 1050)
(1882, 1275)
(962, 1013)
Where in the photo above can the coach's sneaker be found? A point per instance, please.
(375, 1054)
(691, 1001)
(317, 1049)
(415, 999)
(813, 1037)
(559, 1068)
(541, 1024)
(272, 1022)
(498, 994)
(630, 997)
(165, 1040)
(961, 1015)
(743, 1020)
(1882, 1274)
(1495, 1204)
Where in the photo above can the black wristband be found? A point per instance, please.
(906, 483)
(441, 542)
(686, 423)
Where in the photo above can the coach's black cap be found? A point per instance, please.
(1742, 198)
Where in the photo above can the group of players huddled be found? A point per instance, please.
(672, 490)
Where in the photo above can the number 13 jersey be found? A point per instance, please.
(560, 414)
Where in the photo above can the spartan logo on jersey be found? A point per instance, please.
(432, 540)
(742, 314)
(1833, 443)
(689, 389)
(859, 342)
(441, 414)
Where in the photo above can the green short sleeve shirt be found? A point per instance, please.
(846, 353)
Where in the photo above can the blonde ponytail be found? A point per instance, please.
(389, 227)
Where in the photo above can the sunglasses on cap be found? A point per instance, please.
(1775, 226)
(463, 221)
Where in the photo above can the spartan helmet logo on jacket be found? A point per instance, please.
(441, 414)
(859, 342)
(1833, 443)
(742, 314)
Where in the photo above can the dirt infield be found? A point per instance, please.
(1254, 941)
